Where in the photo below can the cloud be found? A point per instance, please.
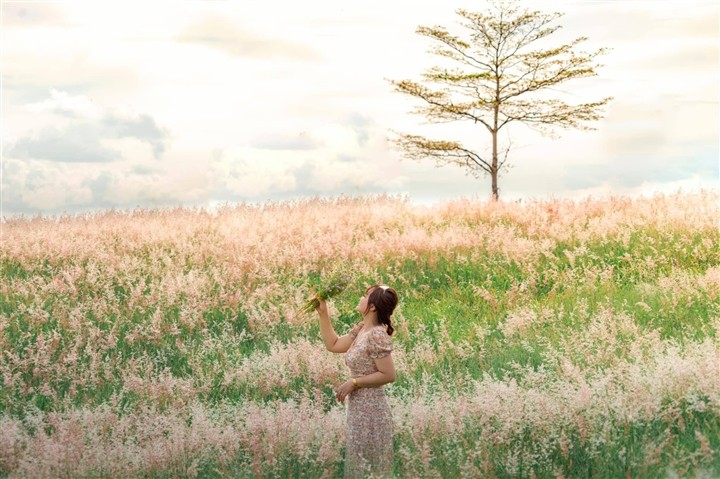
(54, 59)
(633, 170)
(362, 125)
(236, 175)
(77, 143)
(300, 141)
(221, 34)
(348, 155)
(64, 104)
(82, 139)
(143, 128)
(31, 186)
(99, 186)
(123, 188)
(144, 169)
(27, 14)
(350, 176)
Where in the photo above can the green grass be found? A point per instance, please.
(439, 294)
(435, 289)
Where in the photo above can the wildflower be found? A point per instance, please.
(333, 285)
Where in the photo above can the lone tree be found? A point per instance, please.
(492, 87)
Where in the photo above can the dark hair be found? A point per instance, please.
(384, 298)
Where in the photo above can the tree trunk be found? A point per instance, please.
(494, 169)
(494, 131)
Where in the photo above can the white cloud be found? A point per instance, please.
(37, 186)
(336, 137)
(84, 138)
(248, 173)
(62, 103)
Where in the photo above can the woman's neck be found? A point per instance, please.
(370, 321)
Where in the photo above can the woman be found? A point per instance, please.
(367, 348)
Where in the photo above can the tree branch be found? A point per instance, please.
(440, 105)
(454, 43)
(447, 152)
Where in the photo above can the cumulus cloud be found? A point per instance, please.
(30, 186)
(347, 155)
(142, 127)
(125, 188)
(84, 138)
(64, 104)
(245, 174)
(75, 143)
(355, 155)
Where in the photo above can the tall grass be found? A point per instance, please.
(536, 339)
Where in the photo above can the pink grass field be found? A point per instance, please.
(164, 343)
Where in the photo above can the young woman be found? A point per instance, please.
(367, 348)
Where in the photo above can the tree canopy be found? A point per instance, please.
(496, 71)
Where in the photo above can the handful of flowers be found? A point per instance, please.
(333, 285)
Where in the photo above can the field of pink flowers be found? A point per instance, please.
(550, 338)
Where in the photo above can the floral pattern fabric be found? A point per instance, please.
(369, 446)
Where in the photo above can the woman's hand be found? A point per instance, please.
(322, 306)
(345, 388)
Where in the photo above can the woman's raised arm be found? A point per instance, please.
(333, 343)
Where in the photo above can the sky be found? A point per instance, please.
(201, 103)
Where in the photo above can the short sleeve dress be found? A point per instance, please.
(369, 446)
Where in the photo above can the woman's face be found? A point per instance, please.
(362, 305)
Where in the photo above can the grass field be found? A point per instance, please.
(533, 339)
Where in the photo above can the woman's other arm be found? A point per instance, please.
(379, 349)
(384, 375)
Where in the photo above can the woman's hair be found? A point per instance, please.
(384, 298)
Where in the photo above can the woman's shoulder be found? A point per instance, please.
(379, 344)
(379, 333)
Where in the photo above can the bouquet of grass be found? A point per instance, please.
(330, 287)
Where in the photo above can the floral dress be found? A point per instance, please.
(369, 447)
